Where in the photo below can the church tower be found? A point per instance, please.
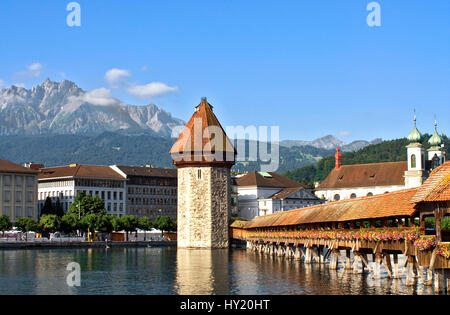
(415, 175)
(436, 153)
(203, 155)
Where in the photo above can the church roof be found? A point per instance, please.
(366, 175)
(436, 187)
(414, 136)
(435, 140)
(392, 204)
(203, 133)
(270, 179)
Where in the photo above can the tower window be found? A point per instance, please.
(199, 174)
(413, 161)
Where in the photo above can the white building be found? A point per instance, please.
(64, 182)
(261, 193)
(18, 190)
(351, 181)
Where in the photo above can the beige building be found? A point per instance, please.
(18, 191)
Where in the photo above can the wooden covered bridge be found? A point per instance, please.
(372, 231)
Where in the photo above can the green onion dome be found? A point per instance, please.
(435, 140)
(414, 135)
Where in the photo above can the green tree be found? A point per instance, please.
(91, 222)
(129, 223)
(48, 207)
(58, 208)
(144, 223)
(49, 223)
(165, 224)
(70, 223)
(26, 225)
(85, 204)
(105, 223)
(5, 224)
(117, 224)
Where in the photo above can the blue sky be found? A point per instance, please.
(311, 67)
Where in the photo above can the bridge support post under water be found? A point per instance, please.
(348, 262)
(298, 253)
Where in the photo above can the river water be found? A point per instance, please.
(168, 270)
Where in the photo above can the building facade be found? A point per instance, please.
(151, 192)
(261, 193)
(351, 181)
(64, 182)
(18, 191)
(203, 155)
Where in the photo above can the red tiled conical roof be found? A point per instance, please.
(203, 140)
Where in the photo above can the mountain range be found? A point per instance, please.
(58, 123)
(330, 143)
(64, 108)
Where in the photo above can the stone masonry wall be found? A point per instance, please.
(204, 203)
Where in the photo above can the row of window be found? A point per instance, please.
(18, 196)
(152, 201)
(67, 194)
(154, 212)
(353, 195)
(152, 191)
(18, 212)
(99, 183)
(18, 180)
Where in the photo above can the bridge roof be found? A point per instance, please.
(436, 187)
(392, 204)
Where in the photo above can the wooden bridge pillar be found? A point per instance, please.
(298, 253)
(321, 254)
(396, 273)
(348, 263)
(356, 262)
(442, 281)
(410, 270)
(334, 262)
(308, 255)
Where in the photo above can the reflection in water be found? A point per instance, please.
(202, 271)
(182, 271)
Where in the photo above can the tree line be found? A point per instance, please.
(86, 214)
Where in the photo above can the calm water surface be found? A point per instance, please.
(168, 270)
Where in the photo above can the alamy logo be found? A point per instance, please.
(374, 17)
(74, 277)
(74, 17)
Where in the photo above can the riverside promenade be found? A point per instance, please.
(84, 244)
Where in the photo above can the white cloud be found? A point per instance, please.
(144, 68)
(101, 97)
(115, 75)
(151, 89)
(343, 134)
(34, 70)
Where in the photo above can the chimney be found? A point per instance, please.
(338, 158)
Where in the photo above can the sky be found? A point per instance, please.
(313, 68)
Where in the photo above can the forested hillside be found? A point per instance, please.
(387, 151)
(110, 148)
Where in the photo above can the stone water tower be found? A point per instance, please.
(203, 155)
